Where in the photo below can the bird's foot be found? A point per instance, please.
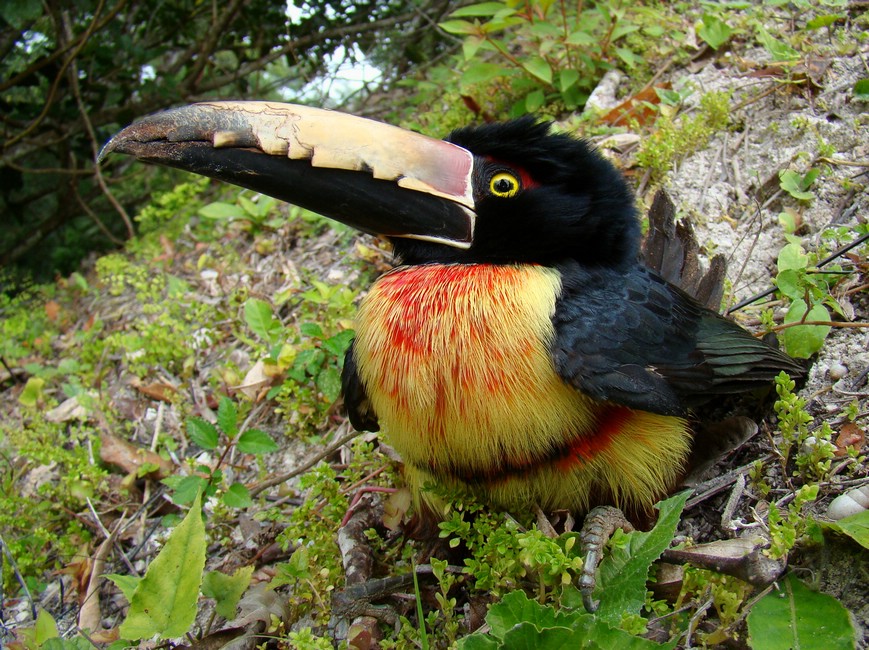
(600, 523)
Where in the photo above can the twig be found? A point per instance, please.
(280, 478)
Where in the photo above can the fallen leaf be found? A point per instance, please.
(130, 458)
(636, 108)
(850, 437)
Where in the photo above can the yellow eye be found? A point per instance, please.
(504, 185)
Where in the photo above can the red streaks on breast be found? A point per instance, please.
(611, 423)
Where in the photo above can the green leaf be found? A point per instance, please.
(237, 496)
(824, 20)
(792, 256)
(621, 586)
(714, 31)
(856, 527)
(779, 50)
(45, 628)
(259, 317)
(458, 27)
(127, 584)
(226, 590)
(802, 341)
(227, 417)
(339, 343)
(202, 433)
(329, 383)
(185, 488)
(628, 56)
(581, 37)
(311, 329)
(518, 622)
(539, 68)
(797, 617)
(534, 100)
(471, 45)
(482, 9)
(31, 395)
(861, 90)
(164, 602)
(256, 441)
(567, 79)
(789, 283)
(221, 210)
(481, 73)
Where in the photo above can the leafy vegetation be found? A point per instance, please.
(212, 346)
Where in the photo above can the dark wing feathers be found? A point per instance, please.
(359, 410)
(634, 339)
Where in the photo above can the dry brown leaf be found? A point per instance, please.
(636, 108)
(850, 437)
(130, 458)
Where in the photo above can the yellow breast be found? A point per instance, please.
(456, 362)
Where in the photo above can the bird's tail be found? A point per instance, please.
(671, 250)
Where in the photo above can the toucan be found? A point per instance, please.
(520, 348)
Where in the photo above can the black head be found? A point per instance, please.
(541, 198)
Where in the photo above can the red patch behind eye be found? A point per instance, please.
(524, 177)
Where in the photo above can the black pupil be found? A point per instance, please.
(503, 185)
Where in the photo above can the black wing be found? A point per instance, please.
(359, 410)
(635, 339)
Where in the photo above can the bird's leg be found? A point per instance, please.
(600, 523)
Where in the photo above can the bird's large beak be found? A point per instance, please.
(375, 177)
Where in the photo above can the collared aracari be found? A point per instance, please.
(520, 349)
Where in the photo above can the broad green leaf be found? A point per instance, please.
(45, 627)
(802, 341)
(623, 29)
(796, 185)
(237, 496)
(227, 417)
(621, 586)
(458, 27)
(861, 90)
(202, 433)
(164, 603)
(31, 395)
(481, 73)
(127, 584)
(856, 527)
(567, 79)
(714, 31)
(482, 9)
(311, 329)
(628, 56)
(226, 590)
(788, 282)
(534, 101)
(517, 622)
(221, 210)
(824, 20)
(256, 441)
(792, 256)
(185, 488)
(538, 67)
(339, 343)
(329, 383)
(797, 617)
(471, 45)
(581, 37)
(259, 317)
(779, 50)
